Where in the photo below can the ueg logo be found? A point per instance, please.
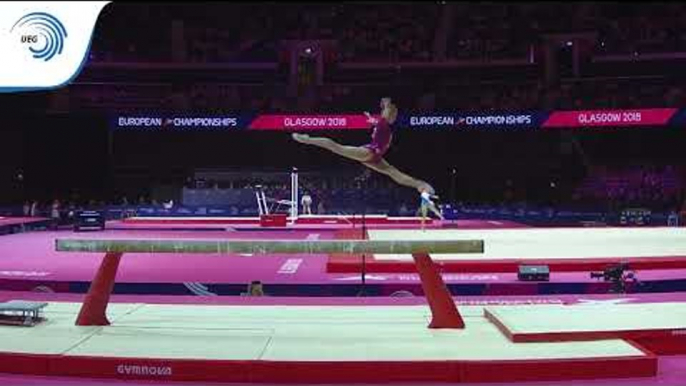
(144, 370)
(42, 33)
(44, 44)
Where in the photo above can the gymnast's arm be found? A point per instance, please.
(371, 119)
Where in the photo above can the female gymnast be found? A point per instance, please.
(371, 155)
(426, 205)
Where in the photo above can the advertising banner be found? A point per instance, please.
(526, 120)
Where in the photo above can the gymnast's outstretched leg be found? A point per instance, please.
(424, 213)
(371, 155)
(365, 155)
(355, 153)
(437, 212)
(382, 166)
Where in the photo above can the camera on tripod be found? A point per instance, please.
(618, 275)
(612, 272)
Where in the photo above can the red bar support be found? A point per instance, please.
(94, 309)
(444, 313)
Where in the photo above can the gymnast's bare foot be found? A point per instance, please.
(302, 138)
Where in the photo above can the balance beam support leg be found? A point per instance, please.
(94, 309)
(444, 313)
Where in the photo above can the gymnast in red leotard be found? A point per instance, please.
(371, 155)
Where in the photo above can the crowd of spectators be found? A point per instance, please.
(217, 33)
(618, 93)
(508, 30)
(387, 32)
(639, 27)
(606, 188)
(390, 32)
(485, 96)
(331, 192)
(197, 97)
(132, 33)
(491, 31)
(654, 187)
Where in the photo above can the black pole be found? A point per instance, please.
(362, 187)
(364, 255)
(452, 186)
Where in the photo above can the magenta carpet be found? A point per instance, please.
(32, 256)
(5, 221)
(351, 301)
(311, 226)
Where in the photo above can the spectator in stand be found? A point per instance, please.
(72, 208)
(34, 209)
(55, 213)
(255, 289)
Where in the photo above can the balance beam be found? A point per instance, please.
(387, 247)
(443, 309)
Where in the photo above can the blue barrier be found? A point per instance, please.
(530, 215)
(547, 216)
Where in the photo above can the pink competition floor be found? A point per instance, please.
(19, 220)
(5, 221)
(32, 256)
(228, 224)
(671, 369)
(668, 297)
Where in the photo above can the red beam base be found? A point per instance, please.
(94, 309)
(444, 312)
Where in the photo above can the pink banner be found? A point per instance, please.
(617, 118)
(310, 122)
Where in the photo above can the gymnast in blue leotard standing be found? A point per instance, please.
(427, 204)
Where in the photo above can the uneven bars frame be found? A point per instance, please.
(294, 195)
